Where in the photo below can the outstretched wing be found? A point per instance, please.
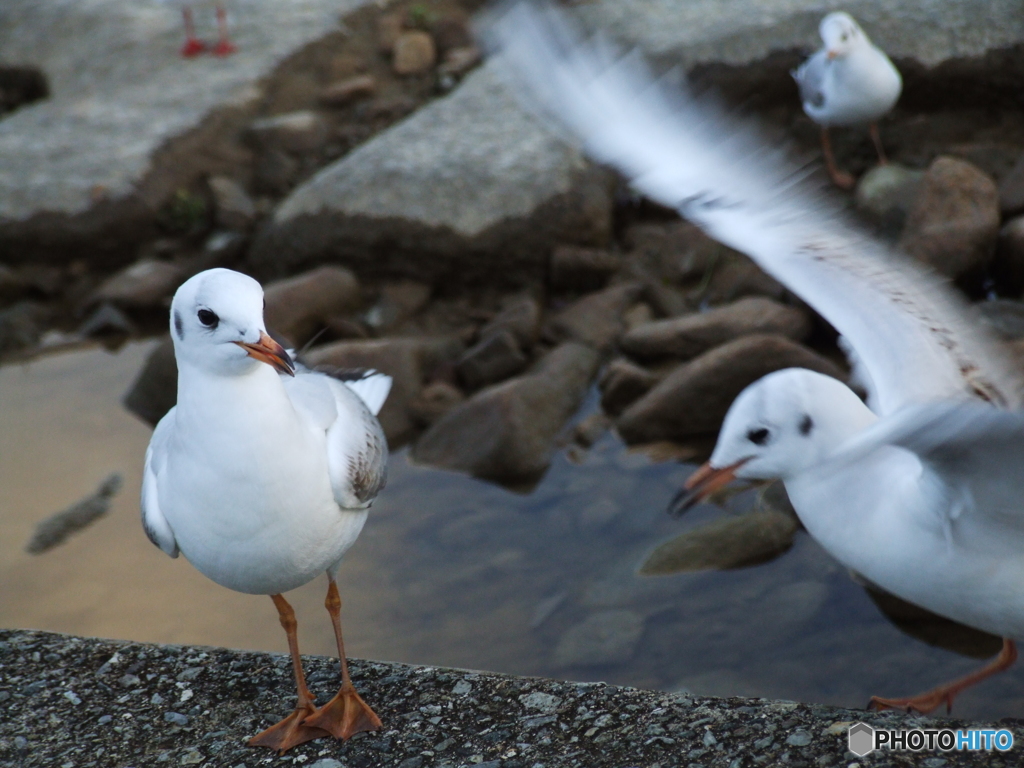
(973, 460)
(157, 529)
(914, 339)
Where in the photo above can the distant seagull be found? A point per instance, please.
(920, 490)
(193, 45)
(848, 82)
(262, 474)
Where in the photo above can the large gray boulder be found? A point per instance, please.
(128, 121)
(465, 184)
(692, 32)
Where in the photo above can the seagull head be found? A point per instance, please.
(841, 35)
(217, 325)
(778, 427)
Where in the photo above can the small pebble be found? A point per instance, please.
(176, 718)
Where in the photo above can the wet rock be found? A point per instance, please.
(639, 314)
(590, 430)
(349, 90)
(155, 390)
(144, 284)
(56, 528)
(413, 53)
(1008, 264)
(954, 223)
(596, 319)
(300, 306)
(1003, 316)
(409, 361)
(582, 269)
(434, 401)
(233, 208)
(608, 637)
(506, 432)
(693, 399)
(495, 357)
(886, 194)
(294, 132)
(691, 335)
(1011, 191)
(519, 316)
(736, 542)
(622, 383)
(466, 184)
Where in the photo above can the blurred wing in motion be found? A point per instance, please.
(913, 339)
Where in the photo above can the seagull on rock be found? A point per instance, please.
(920, 490)
(193, 45)
(263, 472)
(847, 82)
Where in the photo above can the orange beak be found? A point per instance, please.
(830, 55)
(268, 351)
(701, 484)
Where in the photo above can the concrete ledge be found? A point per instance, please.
(71, 701)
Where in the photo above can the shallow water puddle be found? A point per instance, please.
(453, 571)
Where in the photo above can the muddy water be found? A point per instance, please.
(453, 571)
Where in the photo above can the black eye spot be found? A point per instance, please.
(758, 436)
(843, 38)
(179, 327)
(208, 318)
(806, 425)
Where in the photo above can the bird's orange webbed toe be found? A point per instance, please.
(345, 715)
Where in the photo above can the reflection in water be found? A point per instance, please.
(453, 571)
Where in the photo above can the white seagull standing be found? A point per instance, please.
(193, 45)
(262, 475)
(848, 82)
(923, 492)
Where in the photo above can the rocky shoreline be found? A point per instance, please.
(82, 702)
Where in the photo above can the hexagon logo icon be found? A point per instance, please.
(861, 739)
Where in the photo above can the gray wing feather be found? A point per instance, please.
(809, 77)
(357, 451)
(157, 529)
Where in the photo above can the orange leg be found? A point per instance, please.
(873, 130)
(291, 731)
(193, 45)
(346, 714)
(840, 179)
(926, 702)
(224, 46)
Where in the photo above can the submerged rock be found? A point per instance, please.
(56, 528)
(607, 637)
(506, 432)
(736, 542)
(694, 398)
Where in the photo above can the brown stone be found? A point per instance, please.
(344, 92)
(693, 399)
(1008, 263)
(458, 61)
(520, 317)
(144, 284)
(1011, 191)
(954, 223)
(506, 432)
(688, 336)
(596, 319)
(495, 357)
(450, 33)
(413, 53)
(582, 269)
(434, 401)
(389, 28)
(233, 207)
(293, 132)
(300, 306)
(622, 383)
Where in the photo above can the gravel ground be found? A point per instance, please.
(75, 702)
